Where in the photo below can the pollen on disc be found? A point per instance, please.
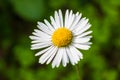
(62, 37)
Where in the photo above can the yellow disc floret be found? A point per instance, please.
(62, 37)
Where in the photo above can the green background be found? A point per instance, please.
(18, 18)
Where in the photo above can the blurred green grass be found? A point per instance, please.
(18, 18)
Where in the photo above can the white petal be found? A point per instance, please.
(34, 37)
(57, 20)
(53, 22)
(46, 55)
(81, 40)
(74, 54)
(86, 27)
(49, 25)
(81, 46)
(40, 33)
(40, 45)
(77, 52)
(33, 45)
(72, 59)
(58, 58)
(43, 51)
(65, 59)
(66, 18)
(41, 40)
(61, 18)
(77, 18)
(87, 43)
(70, 19)
(51, 57)
(82, 23)
(77, 14)
(84, 34)
(44, 28)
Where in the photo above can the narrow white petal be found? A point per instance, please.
(37, 39)
(84, 34)
(40, 45)
(53, 22)
(70, 19)
(58, 58)
(44, 28)
(46, 55)
(74, 54)
(72, 60)
(81, 24)
(43, 51)
(81, 40)
(81, 46)
(49, 25)
(77, 14)
(61, 18)
(87, 43)
(51, 57)
(84, 29)
(57, 19)
(65, 59)
(77, 52)
(40, 40)
(70, 15)
(43, 43)
(66, 17)
(36, 34)
(61, 51)
(77, 18)
(34, 37)
(40, 33)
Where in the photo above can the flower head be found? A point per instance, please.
(61, 39)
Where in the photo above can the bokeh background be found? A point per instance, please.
(18, 19)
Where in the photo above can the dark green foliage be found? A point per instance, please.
(18, 18)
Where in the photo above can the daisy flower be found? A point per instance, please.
(61, 39)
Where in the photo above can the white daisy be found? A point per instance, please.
(61, 39)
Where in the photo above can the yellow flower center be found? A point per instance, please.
(62, 37)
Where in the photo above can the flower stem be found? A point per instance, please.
(78, 71)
